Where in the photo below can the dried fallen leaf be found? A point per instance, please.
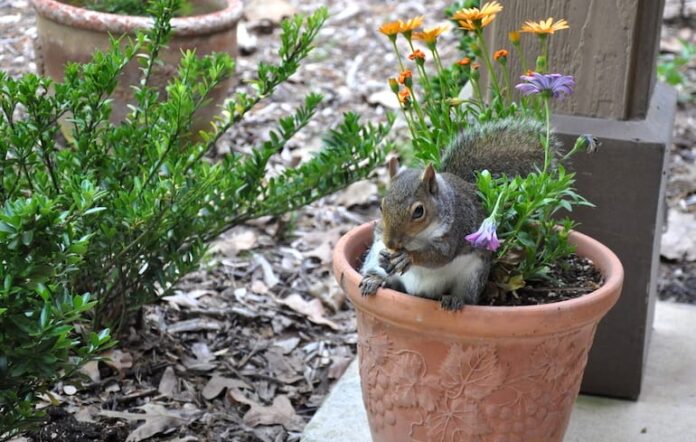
(321, 244)
(257, 286)
(313, 310)
(203, 359)
(287, 345)
(187, 299)
(157, 419)
(119, 360)
(269, 277)
(280, 412)
(235, 395)
(236, 242)
(168, 383)
(338, 366)
(358, 193)
(196, 324)
(329, 292)
(323, 253)
(218, 383)
(679, 241)
(91, 370)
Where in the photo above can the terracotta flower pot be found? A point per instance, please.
(72, 34)
(482, 374)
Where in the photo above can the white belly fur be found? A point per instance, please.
(452, 278)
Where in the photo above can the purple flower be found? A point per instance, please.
(485, 236)
(552, 85)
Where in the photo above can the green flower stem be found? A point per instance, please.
(444, 85)
(494, 212)
(477, 89)
(523, 57)
(407, 117)
(544, 53)
(547, 144)
(398, 54)
(508, 89)
(419, 110)
(487, 59)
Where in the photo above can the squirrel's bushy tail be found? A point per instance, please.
(509, 146)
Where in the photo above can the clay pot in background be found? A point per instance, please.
(72, 34)
(481, 374)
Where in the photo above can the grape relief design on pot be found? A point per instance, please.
(471, 396)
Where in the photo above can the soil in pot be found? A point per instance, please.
(572, 277)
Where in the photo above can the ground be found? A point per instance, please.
(249, 345)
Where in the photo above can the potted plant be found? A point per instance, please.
(485, 372)
(72, 30)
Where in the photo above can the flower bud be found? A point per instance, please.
(501, 56)
(541, 64)
(514, 37)
(393, 85)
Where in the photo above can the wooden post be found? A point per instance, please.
(611, 48)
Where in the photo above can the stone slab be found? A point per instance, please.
(666, 411)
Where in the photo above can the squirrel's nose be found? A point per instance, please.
(392, 243)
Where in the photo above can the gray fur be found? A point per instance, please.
(511, 146)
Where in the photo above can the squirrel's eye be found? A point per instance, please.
(418, 211)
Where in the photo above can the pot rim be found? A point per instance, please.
(82, 18)
(426, 316)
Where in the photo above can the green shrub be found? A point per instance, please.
(128, 7)
(123, 211)
(671, 68)
(41, 245)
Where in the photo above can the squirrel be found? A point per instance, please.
(419, 245)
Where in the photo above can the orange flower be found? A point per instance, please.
(412, 24)
(404, 76)
(404, 96)
(417, 55)
(501, 53)
(544, 27)
(514, 37)
(474, 19)
(429, 36)
(466, 61)
(392, 28)
(475, 66)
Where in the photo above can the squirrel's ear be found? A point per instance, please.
(429, 178)
(393, 167)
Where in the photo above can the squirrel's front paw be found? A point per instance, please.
(394, 262)
(453, 303)
(370, 284)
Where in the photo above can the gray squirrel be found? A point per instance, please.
(419, 245)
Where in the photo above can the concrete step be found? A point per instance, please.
(666, 411)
